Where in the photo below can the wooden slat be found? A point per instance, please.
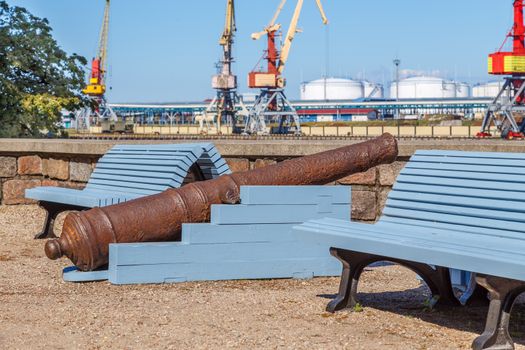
(465, 160)
(149, 174)
(143, 192)
(135, 179)
(489, 185)
(462, 201)
(445, 218)
(466, 168)
(126, 185)
(177, 169)
(465, 175)
(470, 214)
(180, 163)
(470, 192)
(461, 154)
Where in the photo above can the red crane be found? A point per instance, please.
(511, 98)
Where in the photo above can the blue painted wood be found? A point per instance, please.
(223, 270)
(275, 214)
(252, 195)
(241, 249)
(428, 249)
(462, 210)
(72, 274)
(128, 172)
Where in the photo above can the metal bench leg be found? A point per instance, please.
(503, 293)
(437, 279)
(353, 265)
(52, 210)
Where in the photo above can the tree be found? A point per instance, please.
(37, 78)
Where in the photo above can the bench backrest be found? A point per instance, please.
(469, 191)
(150, 169)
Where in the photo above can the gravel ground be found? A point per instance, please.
(39, 310)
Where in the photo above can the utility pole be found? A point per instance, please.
(397, 63)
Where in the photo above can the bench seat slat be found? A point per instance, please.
(132, 173)
(462, 240)
(469, 214)
(462, 201)
(465, 160)
(465, 175)
(489, 185)
(123, 184)
(446, 218)
(107, 188)
(136, 180)
(467, 168)
(184, 163)
(458, 191)
(458, 154)
(513, 231)
(176, 169)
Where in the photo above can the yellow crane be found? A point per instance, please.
(272, 101)
(97, 85)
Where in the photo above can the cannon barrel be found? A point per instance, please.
(86, 235)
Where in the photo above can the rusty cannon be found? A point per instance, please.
(86, 235)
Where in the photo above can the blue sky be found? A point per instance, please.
(165, 50)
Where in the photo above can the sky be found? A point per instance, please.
(166, 50)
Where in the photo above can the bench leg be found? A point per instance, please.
(503, 293)
(437, 279)
(52, 210)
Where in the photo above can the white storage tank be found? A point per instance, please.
(332, 89)
(373, 90)
(487, 90)
(423, 87)
(462, 90)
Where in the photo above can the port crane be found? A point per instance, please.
(272, 101)
(510, 101)
(96, 87)
(225, 103)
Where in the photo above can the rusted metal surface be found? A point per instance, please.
(86, 235)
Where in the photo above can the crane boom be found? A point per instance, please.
(229, 25)
(103, 41)
(292, 30)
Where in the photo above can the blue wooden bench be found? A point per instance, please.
(128, 172)
(448, 209)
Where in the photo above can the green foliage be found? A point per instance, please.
(37, 78)
(358, 308)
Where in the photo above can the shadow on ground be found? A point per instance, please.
(413, 303)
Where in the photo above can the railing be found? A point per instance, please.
(328, 131)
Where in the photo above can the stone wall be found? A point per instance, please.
(18, 173)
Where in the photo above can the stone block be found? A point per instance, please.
(238, 164)
(366, 178)
(389, 172)
(7, 166)
(80, 171)
(30, 165)
(364, 205)
(56, 168)
(64, 184)
(261, 163)
(14, 191)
